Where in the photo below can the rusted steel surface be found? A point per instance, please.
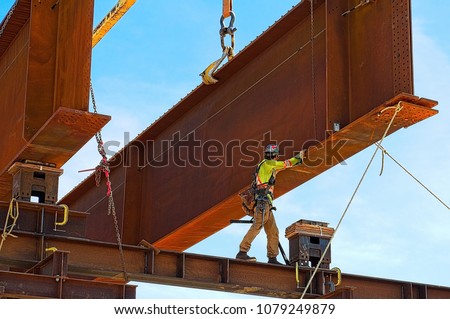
(42, 218)
(340, 293)
(99, 261)
(55, 264)
(357, 136)
(36, 234)
(370, 287)
(177, 182)
(56, 142)
(49, 279)
(19, 18)
(23, 285)
(45, 62)
(35, 180)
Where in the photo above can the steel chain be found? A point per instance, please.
(230, 30)
(103, 167)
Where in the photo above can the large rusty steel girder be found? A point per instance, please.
(83, 268)
(49, 279)
(177, 182)
(45, 65)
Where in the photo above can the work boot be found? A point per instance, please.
(273, 260)
(243, 256)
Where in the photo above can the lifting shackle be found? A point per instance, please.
(227, 51)
(224, 31)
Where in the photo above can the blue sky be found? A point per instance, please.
(393, 229)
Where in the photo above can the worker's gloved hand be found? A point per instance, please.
(300, 156)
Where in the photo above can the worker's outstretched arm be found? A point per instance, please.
(280, 165)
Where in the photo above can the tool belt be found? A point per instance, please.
(263, 194)
(251, 197)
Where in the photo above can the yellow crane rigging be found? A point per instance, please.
(114, 15)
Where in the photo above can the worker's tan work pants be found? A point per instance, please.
(270, 227)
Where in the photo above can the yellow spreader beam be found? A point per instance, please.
(111, 19)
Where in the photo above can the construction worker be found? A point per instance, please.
(263, 216)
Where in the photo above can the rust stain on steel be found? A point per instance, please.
(64, 133)
(20, 16)
(98, 261)
(93, 259)
(41, 218)
(42, 286)
(49, 278)
(371, 287)
(297, 96)
(44, 89)
(339, 146)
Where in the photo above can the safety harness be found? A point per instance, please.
(257, 194)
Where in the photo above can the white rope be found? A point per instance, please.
(410, 174)
(13, 212)
(398, 108)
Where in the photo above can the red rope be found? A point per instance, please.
(103, 167)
